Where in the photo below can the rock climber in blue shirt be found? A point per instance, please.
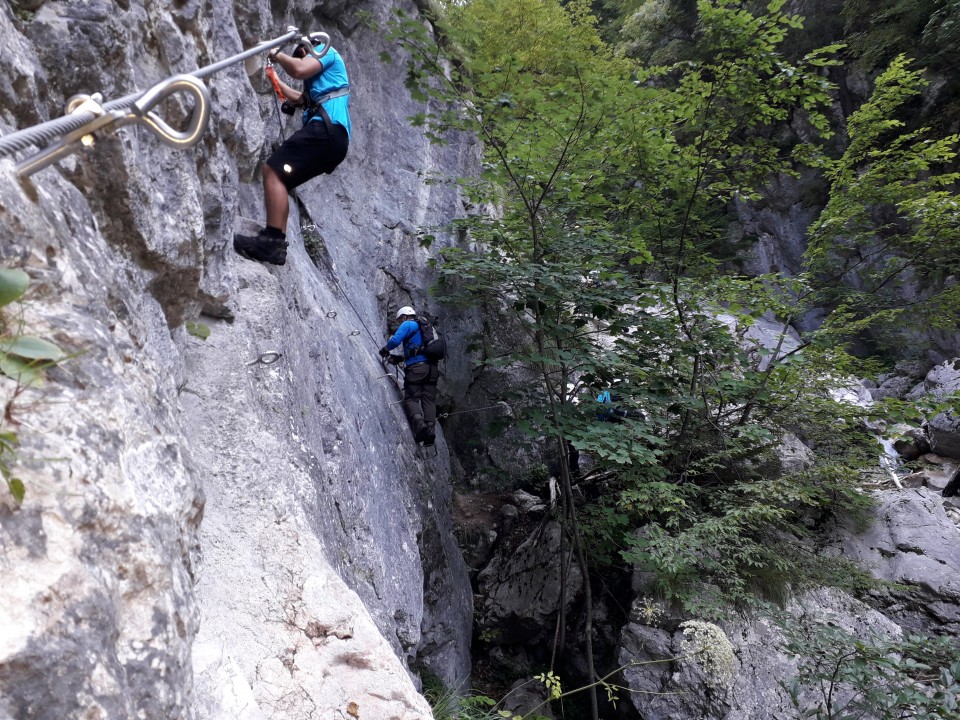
(420, 376)
(316, 148)
(610, 412)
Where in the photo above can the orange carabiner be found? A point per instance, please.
(272, 74)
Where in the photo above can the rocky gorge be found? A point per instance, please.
(224, 514)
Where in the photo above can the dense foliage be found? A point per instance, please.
(874, 32)
(845, 675)
(606, 185)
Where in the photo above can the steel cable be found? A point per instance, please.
(53, 129)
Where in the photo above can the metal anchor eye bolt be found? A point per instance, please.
(315, 38)
(141, 111)
(266, 358)
(105, 121)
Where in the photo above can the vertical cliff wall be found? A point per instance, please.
(203, 535)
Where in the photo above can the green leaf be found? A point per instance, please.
(8, 442)
(199, 330)
(32, 348)
(23, 372)
(17, 489)
(13, 284)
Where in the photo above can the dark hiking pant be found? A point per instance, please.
(420, 395)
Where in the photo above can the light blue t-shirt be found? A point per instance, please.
(332, 77)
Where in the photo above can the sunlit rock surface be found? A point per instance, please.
(202, 536)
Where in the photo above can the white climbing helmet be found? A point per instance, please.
(405, 310)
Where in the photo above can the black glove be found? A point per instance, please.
(384, 352)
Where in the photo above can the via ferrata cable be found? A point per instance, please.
(88, 117)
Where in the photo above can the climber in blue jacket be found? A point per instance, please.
(420, 376)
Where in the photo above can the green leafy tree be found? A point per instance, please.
(892, 222)
(842, 675)
(605, 246)
(553, 112)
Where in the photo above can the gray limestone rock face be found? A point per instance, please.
(97, 610)
(892, 387)
(779, 225)
(664, 686)
(528, 697)
(944, 432)
(910, 443)
(912, 542)
(790, 455)
(935, 473)
(520, 589)
(944, 429)
(325, 570)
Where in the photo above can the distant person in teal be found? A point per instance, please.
(611, 410)
(316, 148)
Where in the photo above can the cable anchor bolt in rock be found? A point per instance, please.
(105, 121)
(266, 358)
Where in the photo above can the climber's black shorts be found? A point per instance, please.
(309, 152)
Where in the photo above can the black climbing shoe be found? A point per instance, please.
(418, 427)
(427, 436)
(261, 247)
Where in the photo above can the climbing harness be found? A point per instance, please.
(266, 358)
(315, 107)
(88, 117)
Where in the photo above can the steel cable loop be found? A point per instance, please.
(199, 118)
(51, 130)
